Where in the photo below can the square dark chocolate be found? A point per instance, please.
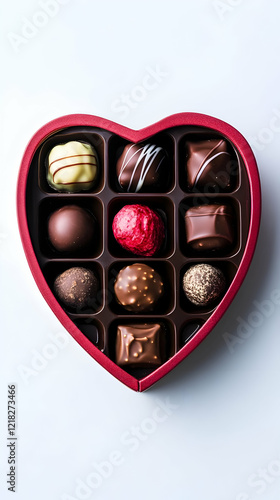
(139, 346)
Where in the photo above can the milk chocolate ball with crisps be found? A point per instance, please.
(138, 287)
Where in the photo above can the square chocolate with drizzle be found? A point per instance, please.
(139, 345)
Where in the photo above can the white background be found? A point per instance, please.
(221, 439)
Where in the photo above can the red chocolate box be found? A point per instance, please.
(95, 154)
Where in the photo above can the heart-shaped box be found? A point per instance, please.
(184, 324)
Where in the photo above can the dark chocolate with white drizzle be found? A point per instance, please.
(142, 167)
(209, 165)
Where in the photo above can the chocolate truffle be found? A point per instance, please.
(210, 228)
(72, 167)
(139, 346)
(142, 167)
(77, 288)
(209, 164)
(138, 287)
(71, 229)
(203, 284)
(138, 229)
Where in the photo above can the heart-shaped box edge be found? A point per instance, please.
(180, 119)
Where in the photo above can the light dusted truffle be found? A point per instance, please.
(138, 287)
(203, 284)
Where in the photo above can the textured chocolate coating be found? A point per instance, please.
(210, 228)
(208, 164)
(77, 288)
(139, 346)
(142, 167)
(72, 167)
(71, 229)
(138, 229)
(138, 287)
(203, 284)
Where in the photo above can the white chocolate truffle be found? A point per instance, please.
(72, 167)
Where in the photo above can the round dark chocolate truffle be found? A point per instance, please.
(138, 229)
(138, 287)
(77, 288)
(142, 167)
(71, 229)
(203, 284)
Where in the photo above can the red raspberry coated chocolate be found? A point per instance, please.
(138, 229)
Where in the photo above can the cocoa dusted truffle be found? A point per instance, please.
(138, 287)
(142, 167)
(140, 346)
(72, 167)
(138, 229)
(209, 164)
(71, 229)
(77, 288)
(210, 228)
(203, 284)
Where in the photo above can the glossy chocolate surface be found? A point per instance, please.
(138, 287)
(142, 168)
(71, 229)
(139, 345)
(210, 228)
(209, 164)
